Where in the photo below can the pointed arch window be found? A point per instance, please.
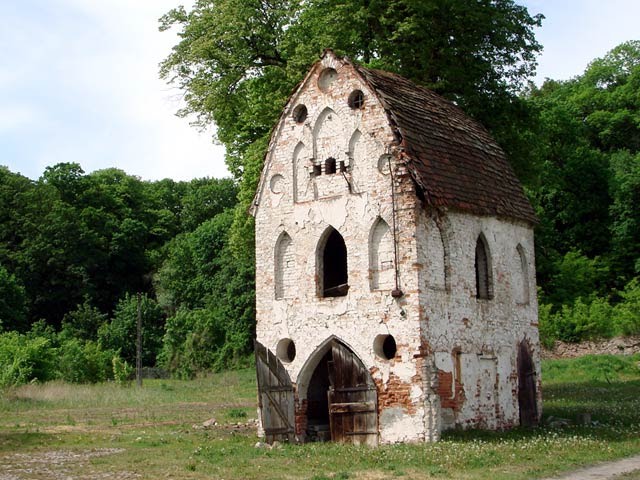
(332, 265)
(381, 267)
(484, 280)
(522, 284)
(284, 267)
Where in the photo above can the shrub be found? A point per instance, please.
(627, 312)
(576, 276)
(24, 359)
(84, 362)
(122, 371)
(583, 320)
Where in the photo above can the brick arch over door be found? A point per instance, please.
(337, 397)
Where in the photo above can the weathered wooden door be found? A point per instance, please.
(353, 408)
(275, 396)
(527, 397)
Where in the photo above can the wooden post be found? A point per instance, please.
(139, 346)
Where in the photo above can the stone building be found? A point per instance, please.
(395, 280)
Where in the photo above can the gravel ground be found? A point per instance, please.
(57, 465)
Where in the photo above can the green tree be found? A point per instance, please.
(83, 322)
(211, 293)
(120, 333)
(588, 147)
(625, 225)
(204, 198)
(12, 302)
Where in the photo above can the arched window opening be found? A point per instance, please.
(438, 262)
(330, 166)
(484, 287)
(333, 266)
(300, 113)
(522, 295)
(284, 265)
(381, 266)
(356, 100)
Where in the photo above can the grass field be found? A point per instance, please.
(61, 431)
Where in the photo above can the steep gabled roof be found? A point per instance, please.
(451, 157)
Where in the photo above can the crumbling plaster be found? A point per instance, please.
(438, 312)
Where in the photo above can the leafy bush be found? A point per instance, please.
(627, 312)
(24, 359)
(588, 319)
(84, 362)
(575, 276)
(121, 370)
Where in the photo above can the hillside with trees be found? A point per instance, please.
(76, 249)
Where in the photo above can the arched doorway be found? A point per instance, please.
(527, 395)
(341, 397)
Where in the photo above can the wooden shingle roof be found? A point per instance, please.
(451, 157)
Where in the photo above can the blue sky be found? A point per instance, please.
(79, 81)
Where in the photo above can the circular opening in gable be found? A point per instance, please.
(276, 184)
(326, 78)
(286, 350)
(356, 99)
(300, 113)
(385, 346)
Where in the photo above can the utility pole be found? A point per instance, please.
(139, 346)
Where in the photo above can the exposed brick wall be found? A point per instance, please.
(438, 310)
(451, 396)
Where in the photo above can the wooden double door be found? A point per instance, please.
(341, 393)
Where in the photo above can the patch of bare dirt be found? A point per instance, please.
(58, 465)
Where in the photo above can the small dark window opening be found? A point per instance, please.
(317, 170)
(356, 99)
(389, 347)
(385, 346)
(330, 166)
(343, 166)
(334, 266)
(483, 276)
(300, 114)
(286, 350)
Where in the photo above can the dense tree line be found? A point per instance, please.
(77, 250)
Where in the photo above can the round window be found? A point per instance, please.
(300, 113)
(385, 346)
(356, 99)
(286, 350)
(276, 184)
